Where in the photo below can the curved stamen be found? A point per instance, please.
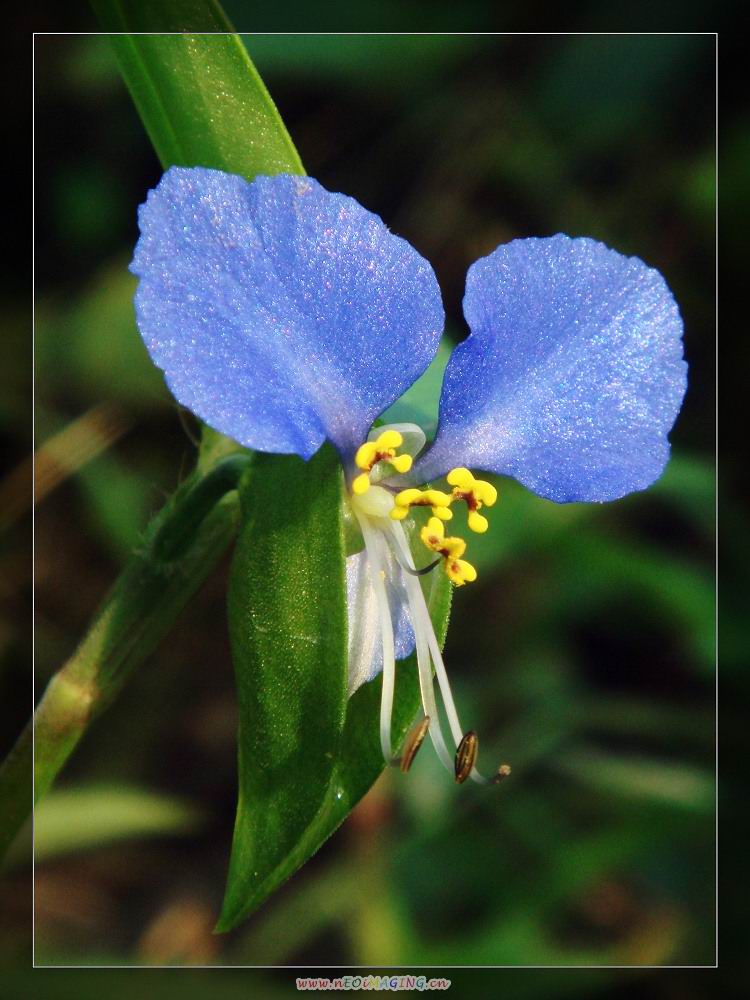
(424, 666)
(426, 686)
(371, 541)
(415, 572)
(450, 707)
(423, 625)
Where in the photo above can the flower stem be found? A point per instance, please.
(181, 546)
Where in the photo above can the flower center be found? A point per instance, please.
(379, 510)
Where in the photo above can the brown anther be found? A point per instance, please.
(466, 754)
(502, 772)
(414, 741)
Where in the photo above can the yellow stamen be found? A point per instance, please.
(477, 522)
(438, 501)
(451, 549)
(389, 439)
(372, 452)
(401, 463)
(383, 449)
(476, 493)
(433, 536)
(460, 572)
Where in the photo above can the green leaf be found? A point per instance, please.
(77, 819)
(663, 782)
(287, 619)
(161, 16)
(304, 765)
(199, 96)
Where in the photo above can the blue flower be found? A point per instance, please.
(284, 315)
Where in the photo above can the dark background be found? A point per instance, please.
(584, 654)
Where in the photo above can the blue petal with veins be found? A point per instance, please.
(280, 313)
(572, 376)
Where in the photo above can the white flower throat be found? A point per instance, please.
(379, 505)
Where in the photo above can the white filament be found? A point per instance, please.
(377, 573)
(425, 673)
(423, 624)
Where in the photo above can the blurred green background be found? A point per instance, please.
(585, 653)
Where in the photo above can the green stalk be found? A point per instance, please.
(183, 544)
(15, 787)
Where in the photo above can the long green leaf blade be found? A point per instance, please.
(287, 618)
(200, 98)
(90, 816)
(162, 16)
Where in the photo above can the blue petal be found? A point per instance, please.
(280, 313)
(572, 376)
(365, 643)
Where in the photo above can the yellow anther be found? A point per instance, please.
(361, 484)
(436, 499)
(460, 572)
(476, 492)
(382, 449)
(478, 522)
(461, 478)
(486, 492)
(444, 513)
(433, 536)
(407, 497)
(451, 549)
(365, 457)
(433, 533)
(401, 463)
(389, 439)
